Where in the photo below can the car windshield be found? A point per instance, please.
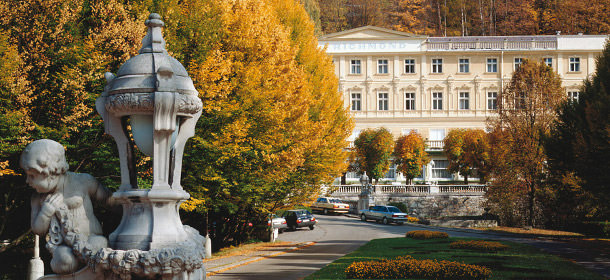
(336, 201)
(393, 209)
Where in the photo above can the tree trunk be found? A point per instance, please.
(466, 179)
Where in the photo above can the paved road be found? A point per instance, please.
(335, 236)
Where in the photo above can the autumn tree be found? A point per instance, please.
(273, 127)
(579, 144)
(365, 12)
(332, 15)
(372, 152)
(410, 155)
(313, 10)
(53, 55)
(526, 112)
(468, 152)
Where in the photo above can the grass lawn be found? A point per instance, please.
(520, 261)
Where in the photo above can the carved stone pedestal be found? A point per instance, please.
(150, 219)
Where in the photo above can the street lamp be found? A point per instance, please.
(152, 104)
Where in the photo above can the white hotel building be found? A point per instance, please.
(407, 82)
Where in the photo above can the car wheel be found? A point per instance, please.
(385, 220)
(325, 211)
(311, 227)
(280, 230)
(363, 218)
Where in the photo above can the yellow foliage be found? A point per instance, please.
(426, 234)
(191, 204)
(407, 267)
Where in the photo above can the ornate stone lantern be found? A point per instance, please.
(365, 198)
(152, 104)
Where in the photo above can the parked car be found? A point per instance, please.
(299, 218)
(329, 205)
(384, 214)
(278, 222)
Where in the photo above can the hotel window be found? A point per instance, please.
(573, 96)
(409, 101)
(437, 134)
(382, 66)
(391, 174)
(548, 61)
(518, 61)
(492, 100)
(439, 170)
(356, 102)
(409, 66)
(492, 65)
(437, 101)
(383, 101)
(437, 65)
(355, 66)
(407, 131)
(464, 65)
(464, 100)
(574, 64)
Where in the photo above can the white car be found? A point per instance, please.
(330, 205)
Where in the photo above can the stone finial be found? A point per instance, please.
(153, 42)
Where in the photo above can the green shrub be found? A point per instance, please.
(400, 205)
(407, 267)
(479, 245)
(426, 234)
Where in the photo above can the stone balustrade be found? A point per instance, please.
(399, 189)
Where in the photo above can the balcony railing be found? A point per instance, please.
(435, 144)
(494, 43)
(443, 189)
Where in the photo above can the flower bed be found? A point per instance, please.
(426, 234)
(478, 245)
(407, 267)
(412, 220)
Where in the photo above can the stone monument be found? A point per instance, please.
(152, 104)
(365, 198)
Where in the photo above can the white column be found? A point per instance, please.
(395, 96)
(422, 98)
(590, 64)
(423, 69)
(397, 64)
(560, 69)
(342, 66)
(369, 66)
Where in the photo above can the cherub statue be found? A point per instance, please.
(62, 206)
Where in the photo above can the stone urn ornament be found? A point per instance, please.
(150, 104)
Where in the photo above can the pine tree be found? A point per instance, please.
(580, 141)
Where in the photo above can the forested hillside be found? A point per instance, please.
(467, 17)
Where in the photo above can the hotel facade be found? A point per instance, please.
(406, 82)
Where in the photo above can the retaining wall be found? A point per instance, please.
(424, 201)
